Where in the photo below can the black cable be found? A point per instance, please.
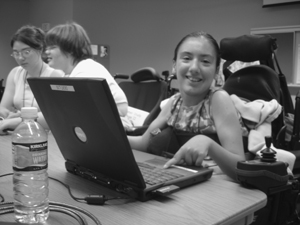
(91, 199)
(8, 207)
(69, 190)
(70, 210)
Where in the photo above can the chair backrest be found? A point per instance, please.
(145, 91)
(256, 82)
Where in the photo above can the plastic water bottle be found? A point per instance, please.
(30, 162)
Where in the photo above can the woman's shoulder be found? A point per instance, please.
(17, 69)
(15, 73)
(221, 100)
(219, 94)
(51, 72)
(89, 63)
(90, 68)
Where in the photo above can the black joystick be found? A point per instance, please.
(268, 154)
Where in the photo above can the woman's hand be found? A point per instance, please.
(9, 124)
(3, 127)
(14, 115)
(192, 152)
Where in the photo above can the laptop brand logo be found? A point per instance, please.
(80, 134)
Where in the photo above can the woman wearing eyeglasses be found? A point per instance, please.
(27, 49)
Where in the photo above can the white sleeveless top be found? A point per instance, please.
(23, 96)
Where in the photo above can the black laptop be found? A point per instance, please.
(85, 123)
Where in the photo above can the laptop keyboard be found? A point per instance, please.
(153, 175)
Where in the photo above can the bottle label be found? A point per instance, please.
(30, 156)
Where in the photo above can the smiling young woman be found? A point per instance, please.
(200, 111)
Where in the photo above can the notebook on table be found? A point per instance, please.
(85, 123)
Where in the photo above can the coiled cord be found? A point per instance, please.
(73, 211)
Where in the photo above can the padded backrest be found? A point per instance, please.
(254, 82)
(257, 82)
(144, 95)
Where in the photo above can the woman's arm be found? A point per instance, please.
(122, 108)
(9, 124)
(13, 122)
(41, 120)
(6, 104)
(229, 132)
(141, 142)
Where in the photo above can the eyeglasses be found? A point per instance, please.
(24, 53)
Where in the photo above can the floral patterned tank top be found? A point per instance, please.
(194, 119)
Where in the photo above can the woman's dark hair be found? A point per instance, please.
(72, 39)
(31, 36)
(200, 34)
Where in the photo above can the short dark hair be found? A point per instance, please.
(72, 39)
(31, 36)
(200, 34)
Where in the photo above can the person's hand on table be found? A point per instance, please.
(191, 153)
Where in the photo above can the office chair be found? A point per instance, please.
(145, 90)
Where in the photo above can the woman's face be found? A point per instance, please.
(195, 66)
(25, 56)
(56, 58)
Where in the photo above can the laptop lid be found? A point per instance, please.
(83, 117)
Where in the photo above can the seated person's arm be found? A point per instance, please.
(41, 120)
(141, 142)
(6, 105)
(12, 123)
(9, 124)
(122, 108)
(229, 132)
(4, 112)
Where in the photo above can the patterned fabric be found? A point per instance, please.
(196, 119)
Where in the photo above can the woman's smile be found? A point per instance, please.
(193, 79)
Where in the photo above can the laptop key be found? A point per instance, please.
(153, 175)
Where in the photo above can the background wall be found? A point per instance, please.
(12, 16)
(141, 32)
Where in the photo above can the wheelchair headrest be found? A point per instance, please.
(144, 74)
(248, 48)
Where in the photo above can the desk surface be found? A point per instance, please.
(216, 201)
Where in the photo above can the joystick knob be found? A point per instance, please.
(268, 154)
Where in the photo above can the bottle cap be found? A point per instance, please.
(29, 112)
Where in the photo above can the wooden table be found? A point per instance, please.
(216, 201)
